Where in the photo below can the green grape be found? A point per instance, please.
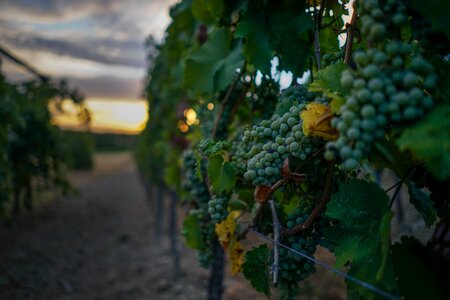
(293, 268)
(263, 166)
(388, 85)
(218, 208)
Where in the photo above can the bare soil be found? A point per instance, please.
(101, 244)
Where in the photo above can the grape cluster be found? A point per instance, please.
(207, 235)
(274, 140)
(293, 267)
(386, 88)
(192, 183)
(199, 191)
(218, 208)
(240, 153)
(380, 17)
(291, 96)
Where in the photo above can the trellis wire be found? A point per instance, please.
(362, 283)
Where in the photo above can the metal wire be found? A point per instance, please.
(362, 283)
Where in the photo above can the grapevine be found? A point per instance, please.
(311, 147)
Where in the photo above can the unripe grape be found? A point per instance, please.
(347, 81)
(377, 32)
(375, 84)
(353, 133)
(350, 164)
(361, 58)
(368, 111)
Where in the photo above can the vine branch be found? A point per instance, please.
(318, 209)
(350, 36)
(276, 251)
(273, 189)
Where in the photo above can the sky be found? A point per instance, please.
(98, 45)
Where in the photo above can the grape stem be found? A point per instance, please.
(350, 35)
(274, 188)
(276, 251)
(318, 209)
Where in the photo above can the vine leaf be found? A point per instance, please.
(317, 121)
(211, 67)
(421, 280)
(192, 232)
(256, 269)
(222, 174)
(206, 11)
(225, 230)
(258, 53)
(276, 30)
(422, 203)
(328, 81)
(362, 235)
(385, 232)
(429, 140)
(437, 12)
(236, 256)
(386, 154)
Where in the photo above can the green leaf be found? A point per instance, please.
(422, 202)
(367, 202)
(385, 154)
(367, 270)
(237, 204)
(359, 206)
(192, 232)
(198, 168)
(413, 267)
(362, 235)
(246, 195)
(429, 140)
(257, 48)
(256, 269)
(211, 67)
(328, 81)
(385, 233)
(437, 10)
(210, 147)
(222, 174)
(207, 11)
(328, 39)
(271, 29)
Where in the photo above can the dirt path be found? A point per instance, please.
(98, 245)
(101, 245)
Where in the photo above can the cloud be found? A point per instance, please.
(49, 11)
(102, 50)
(108, 87)
(97, 44)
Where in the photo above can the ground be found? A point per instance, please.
(101, 244)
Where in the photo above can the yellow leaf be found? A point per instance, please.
(313, 2)
(225, 230)
(317, 121)
(236, 257)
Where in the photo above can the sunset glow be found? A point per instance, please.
(115, 116)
